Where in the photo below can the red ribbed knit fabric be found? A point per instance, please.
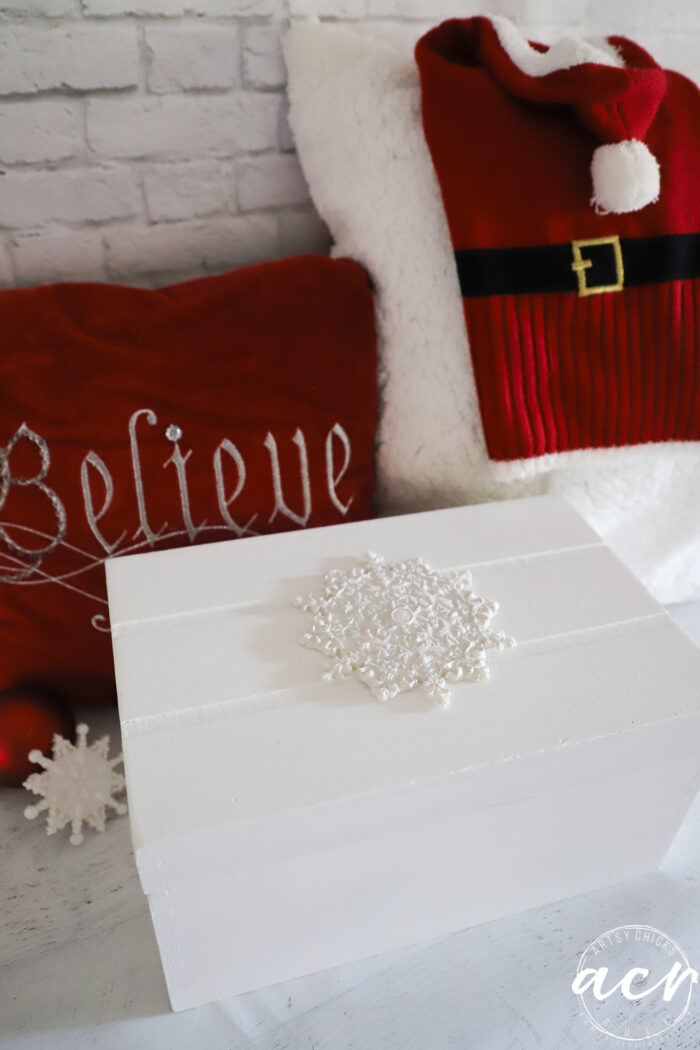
(557, 371)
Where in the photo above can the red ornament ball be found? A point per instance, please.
(29, 717)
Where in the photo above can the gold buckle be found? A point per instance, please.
(580, 265)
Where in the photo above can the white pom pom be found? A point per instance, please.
(625, 177)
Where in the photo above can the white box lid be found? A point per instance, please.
(236, 750)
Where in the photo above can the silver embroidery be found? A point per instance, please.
(280, 505)
(24, 565)
(180, 463)
(29, 559)
(401, 625)
(224, 503)
(144, 526)
(332, 479)
(96, 461)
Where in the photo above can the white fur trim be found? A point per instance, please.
(615, 456)
(565, 53)
(356, 116)
(626, 177)
(373, 182)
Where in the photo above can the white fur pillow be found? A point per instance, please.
(355, 115)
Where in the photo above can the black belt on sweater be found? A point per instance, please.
(589, 267)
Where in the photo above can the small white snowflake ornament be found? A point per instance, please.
(402, 625)
(78, 785)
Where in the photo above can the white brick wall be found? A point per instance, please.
(146, 141)
(188, 58)
(79, 57)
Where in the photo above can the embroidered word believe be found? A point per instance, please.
(24, 562)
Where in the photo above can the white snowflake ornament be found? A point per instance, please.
(402, 625)
(78, 785)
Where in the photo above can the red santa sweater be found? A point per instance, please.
(578, 265)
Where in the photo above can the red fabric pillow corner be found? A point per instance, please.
(134, 420)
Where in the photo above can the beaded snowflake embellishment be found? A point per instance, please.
(402, 625)
(78, 785)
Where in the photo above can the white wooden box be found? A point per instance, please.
(283, 825)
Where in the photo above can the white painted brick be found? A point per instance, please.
(328, 8)
(532, 12)
(39, 131)
(255, 116)
(673, 15)
(567, 15)
(182, 191)
(627, 18)
(681, 52)
(36, 8)
(7, 279)
(77, 57)
(219, 244)
(238, 8)
(263, 64)
(400, 34)
(270, 181)
(183, 126)
(43, 258)
(302, 232)
(192, 56)
(175, 8)
(435, 10)
(105, 8)
(285, 137)
(30, 199)
(176, 146)
(163, 279)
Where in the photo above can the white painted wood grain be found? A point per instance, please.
(300, 800)
(277, 567)
(79, 966)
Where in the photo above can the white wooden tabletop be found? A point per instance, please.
(79, 964)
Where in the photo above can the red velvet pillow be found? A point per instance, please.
(134, 420)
